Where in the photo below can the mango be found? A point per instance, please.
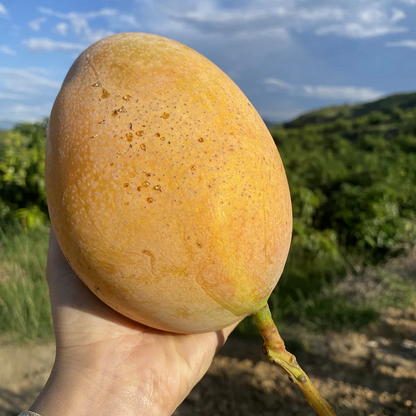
(166, 191)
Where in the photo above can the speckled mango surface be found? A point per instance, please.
(165, 189)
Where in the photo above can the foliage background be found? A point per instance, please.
(352, 174)
(22, 184)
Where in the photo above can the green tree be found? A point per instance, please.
(22, 165)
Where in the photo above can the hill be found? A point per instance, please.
(352, 175)
(388, 106)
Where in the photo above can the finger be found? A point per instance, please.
(227, 331)
(223, 335)
(64, 285)
(57, 262)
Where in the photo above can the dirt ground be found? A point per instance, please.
(365, 374)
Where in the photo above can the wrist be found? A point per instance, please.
(85, 389)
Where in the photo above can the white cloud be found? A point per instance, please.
(7, 50)
(345, 93)
(93, 36)
(253, 18)
(46, 44)
(371, 15)
(281, 115)
(27, 80)
(366, 19)
(130, 20)
(277, 33)
(79, 23)
(357, 30)
(36, 23)
(320, 13)
(347, 18)
(397, 15)
(208, 17)
(3, 10)
(10, 96)
(409, 43)
(71, 15)
(348, 93)
(61, 28)
(278, 82)
(12, 114)
(32, 90)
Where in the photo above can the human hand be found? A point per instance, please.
(107, 364)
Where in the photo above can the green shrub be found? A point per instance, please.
(22, 184)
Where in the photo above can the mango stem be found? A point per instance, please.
(274, 349)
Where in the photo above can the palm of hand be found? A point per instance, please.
(93, 339)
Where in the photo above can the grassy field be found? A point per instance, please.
(24, 297)
(348, 302)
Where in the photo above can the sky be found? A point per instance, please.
(287, 56)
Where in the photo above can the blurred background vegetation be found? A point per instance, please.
(352, 174)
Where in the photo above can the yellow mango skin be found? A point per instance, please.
(165, 189)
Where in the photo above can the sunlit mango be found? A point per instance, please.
(166, 191)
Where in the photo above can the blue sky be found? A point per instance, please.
(288, 56)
